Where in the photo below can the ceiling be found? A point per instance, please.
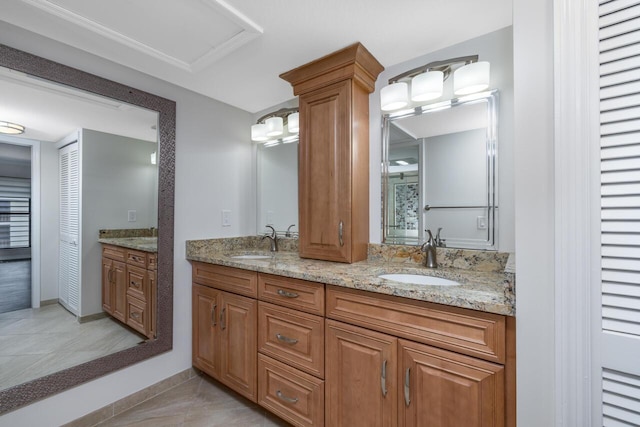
(234, 50)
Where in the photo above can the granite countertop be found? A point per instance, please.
(145, 244)
(488, 291)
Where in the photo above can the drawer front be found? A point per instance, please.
(291, 336)
(294, 293)
(114, 252)
(152, 259)
(137, 315)
(464, 331)
(137, 258)
(230, 279)
(293, 395)
(138, 283)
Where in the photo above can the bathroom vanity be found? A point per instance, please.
(129, 286)
(321, 343)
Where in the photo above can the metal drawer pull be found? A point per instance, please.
(287, 294)
(285, 398)
(340, 233)
(383, 378)
(407, 400)
(213, 314)
(286, 339)
(134, 284)
(135, 315)
(223, 325)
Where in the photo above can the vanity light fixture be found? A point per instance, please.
(426, 83)
(270, 128)
(11, 128)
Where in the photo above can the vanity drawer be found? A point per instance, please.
(138, 283)
(292, 336)
(470, 332)
(137, 258)
(152, 261)
(293, 395)
(230, 279)
(137, 315)
(114, 252)
(293, 293)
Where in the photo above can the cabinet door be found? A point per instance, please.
(445, 389)
(324, 190)
(107, 285)
(206, 306)
(119, 296)
(360, 377)
(238, 327)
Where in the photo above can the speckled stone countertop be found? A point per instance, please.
(145, 244)
(486, 287)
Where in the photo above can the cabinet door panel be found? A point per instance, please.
(119, 296)
(444, 389)
(107, 285)
(357, 360)
(325, 173)
(238, 326)
(206, 339)
(137, 283)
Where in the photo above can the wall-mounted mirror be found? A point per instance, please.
(440, 169)
(277, 187)
(75, 84)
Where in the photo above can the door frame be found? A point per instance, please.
(35, 212)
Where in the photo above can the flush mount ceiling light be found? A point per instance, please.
(427, 82)
(11, 128)
(270, 128)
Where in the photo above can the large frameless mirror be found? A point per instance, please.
(439, 173)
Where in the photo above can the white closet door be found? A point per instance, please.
(69, 248)
(620, 201)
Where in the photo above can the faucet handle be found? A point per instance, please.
(288, 232)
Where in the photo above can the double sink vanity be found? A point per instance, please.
(323, 343)
(330, 330)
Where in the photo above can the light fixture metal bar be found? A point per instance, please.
(283, 112)
(444, 66)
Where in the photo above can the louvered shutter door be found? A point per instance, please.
(69, 254)
(620, 201)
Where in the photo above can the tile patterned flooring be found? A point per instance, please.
(38, 342)
(198, 402)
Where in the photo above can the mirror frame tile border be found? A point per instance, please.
(32, 391)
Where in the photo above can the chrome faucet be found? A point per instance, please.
(288, 232)
(429, 248)
(273, 238)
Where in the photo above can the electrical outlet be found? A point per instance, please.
(131, 216)
(226, 218)
(481, 222)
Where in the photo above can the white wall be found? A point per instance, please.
(213, 172)
(49, 219)
(117, 176)
(497, 48)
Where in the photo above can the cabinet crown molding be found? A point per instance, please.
(352, 62)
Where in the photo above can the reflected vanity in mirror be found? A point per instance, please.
(77, 84)
(440, 170)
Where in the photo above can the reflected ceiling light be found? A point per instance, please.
(154, 158)
(394, 96)
(270, 128)
(471, 78)
(427, 82)
(11, 128)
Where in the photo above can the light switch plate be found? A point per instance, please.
(131, 216)
(481, 222)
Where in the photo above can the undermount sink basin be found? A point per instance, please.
(251, 256)
(418, 279)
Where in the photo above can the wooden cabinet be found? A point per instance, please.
(114, 288)
(129, 287)
(361, 385)
(333, 182)
(442, 388)
(224, 334)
